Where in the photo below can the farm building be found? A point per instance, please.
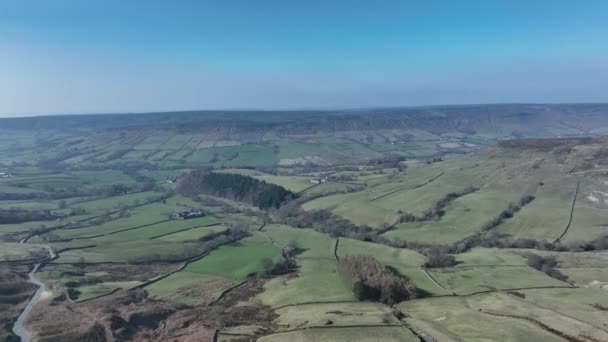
(187, 213)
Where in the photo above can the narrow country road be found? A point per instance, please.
(18, 327)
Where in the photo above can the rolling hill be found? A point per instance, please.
(477, 223)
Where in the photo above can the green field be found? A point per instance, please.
(225, 262)
(241, 272)
(218, 270)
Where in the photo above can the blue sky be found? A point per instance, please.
(93, 56)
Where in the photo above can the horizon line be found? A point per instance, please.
(295, 109)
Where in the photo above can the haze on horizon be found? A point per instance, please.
(134, 56)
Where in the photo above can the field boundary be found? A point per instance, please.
(224, 292)
(436, 282)
(338, 327)
(578, 184)
(74, 248)
(308, 188)
(518, 289)
(422, 335)
(336, 250)
(181, 268)
(315, 303)
(408, 187)
(559, 313)
(185, 229)
(540, 324)
(113, 232)
(498, 290)
(92, 298)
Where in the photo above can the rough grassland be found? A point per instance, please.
(90, 291)
(577, 304)
(453, 319)
(187, 288)
(317, 280)
(341, 314)
(490, 257)
(367, 334)
(13, 252)
(466, 280)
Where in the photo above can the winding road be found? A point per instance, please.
(18, 327)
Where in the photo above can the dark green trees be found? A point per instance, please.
(234, 186)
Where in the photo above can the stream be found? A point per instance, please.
(18, 327)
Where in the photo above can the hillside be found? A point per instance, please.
(250, 138)
(306, 237)
(553, 171)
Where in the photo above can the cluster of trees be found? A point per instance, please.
(438, 257)
(599, 244)
(16, 215)
(434, 160)
(371, 280)
(546, 265)
(438, 210)
(232, 234)
(234, 186)
(283, 266)
(322, 220)
(390, 161)
(286, 264)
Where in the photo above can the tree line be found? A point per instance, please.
(545, 264)
(234, 186)
(438, 210)
(16, 215)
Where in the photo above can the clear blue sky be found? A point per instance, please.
(122, 56)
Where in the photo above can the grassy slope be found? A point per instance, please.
(454, 319)
(317, 278)
(389, 334)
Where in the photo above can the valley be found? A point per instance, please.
(186, 227)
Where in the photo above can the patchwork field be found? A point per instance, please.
(338, 235)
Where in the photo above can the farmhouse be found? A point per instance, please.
(187, 213)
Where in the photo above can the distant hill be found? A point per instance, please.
(266, 138)
(527, 119)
